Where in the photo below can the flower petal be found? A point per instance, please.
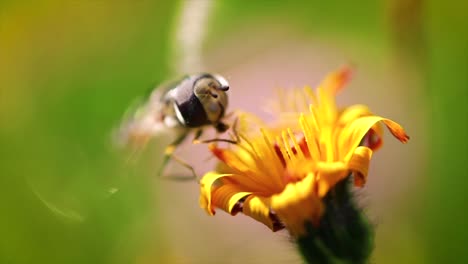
(359, 164)
(351, 113)
(298, 204)
(206, 184)
(258, 208)
(326, 92)
(228, 157)
(310, 130)
(251, 162)
(281, 175)
(352, 134)
(335, 81)
(329, 173)
(373, 138)
(227, 196)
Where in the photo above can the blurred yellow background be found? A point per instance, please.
(69, 70)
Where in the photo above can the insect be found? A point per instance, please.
(188, 105)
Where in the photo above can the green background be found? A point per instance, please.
(68, 70)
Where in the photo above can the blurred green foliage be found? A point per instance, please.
(331, 17)
(69, 69)
(445, 199)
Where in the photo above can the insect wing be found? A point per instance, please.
(142, 121)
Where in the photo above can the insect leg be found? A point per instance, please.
(186, 165)
(197, 136)
(169, 152)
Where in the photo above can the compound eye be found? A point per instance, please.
(213, 107)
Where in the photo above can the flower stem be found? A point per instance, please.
(344, 234)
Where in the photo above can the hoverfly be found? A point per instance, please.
(179, 108)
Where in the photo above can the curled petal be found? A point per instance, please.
(373, 138)
(227, 196)
(258, 208)
(359, 165)
(353, 133)
(206, 185)
(396, 130)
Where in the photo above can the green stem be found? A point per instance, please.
(344, 234)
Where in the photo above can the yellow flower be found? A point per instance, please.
(279, 178)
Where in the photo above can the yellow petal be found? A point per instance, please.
(268, 167)
(347, 116)
(352, 134)
(206, 184)
(258, 208)
(226, 197)
(310, 131)
(335, 81)
(352, 113)
(359, 165)
(329, 174)
(373, 138)
(223, 168)
(327, 91)
(326, 111)
(298, 204)
(255, 166)
(229, 157)
(311, 95)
